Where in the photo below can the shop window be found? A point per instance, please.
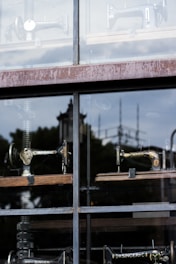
(35, 33)
(124, 30)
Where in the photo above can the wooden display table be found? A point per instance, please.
(144, 175)
(36, 180)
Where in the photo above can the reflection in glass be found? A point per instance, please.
(139, 125)
(136, 118)
(33, 150)
(124, 29)
(132, 122)
(32, 144)
(35, 33)
(129, 133)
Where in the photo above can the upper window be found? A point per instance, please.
(35, 33)
(116, 30)
(40, 33)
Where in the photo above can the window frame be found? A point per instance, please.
(76, 79)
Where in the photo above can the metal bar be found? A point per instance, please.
(133, 70)
(113, 248)
(171, 149)
(37, 211)
(75, 32)
(88, 217)
(128, 208)
(1, 12)
(76, 178)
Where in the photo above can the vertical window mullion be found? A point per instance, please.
(75, 32)
(76, 151)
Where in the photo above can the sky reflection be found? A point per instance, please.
(150, 112)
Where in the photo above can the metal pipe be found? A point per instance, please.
(171, 151)
(76, 51)
(88, 216)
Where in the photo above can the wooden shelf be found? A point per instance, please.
(108, 224)
(144, 175)
(138, 35)
(36, 180)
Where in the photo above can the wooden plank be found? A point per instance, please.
(110, 224)
(144, 175)
(36, 180)
(138, 35)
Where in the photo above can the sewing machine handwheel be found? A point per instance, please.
(172, 252)
(13, 154)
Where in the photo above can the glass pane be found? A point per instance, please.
(36, 173)
(124, 30)
(35, 239)
(35, 33)
(36, 150)
(126, 171)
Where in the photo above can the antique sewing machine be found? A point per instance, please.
(153, 255)
(25, 28)
(27, 254)
(151, 14)
(151, 155)
(26, 155)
